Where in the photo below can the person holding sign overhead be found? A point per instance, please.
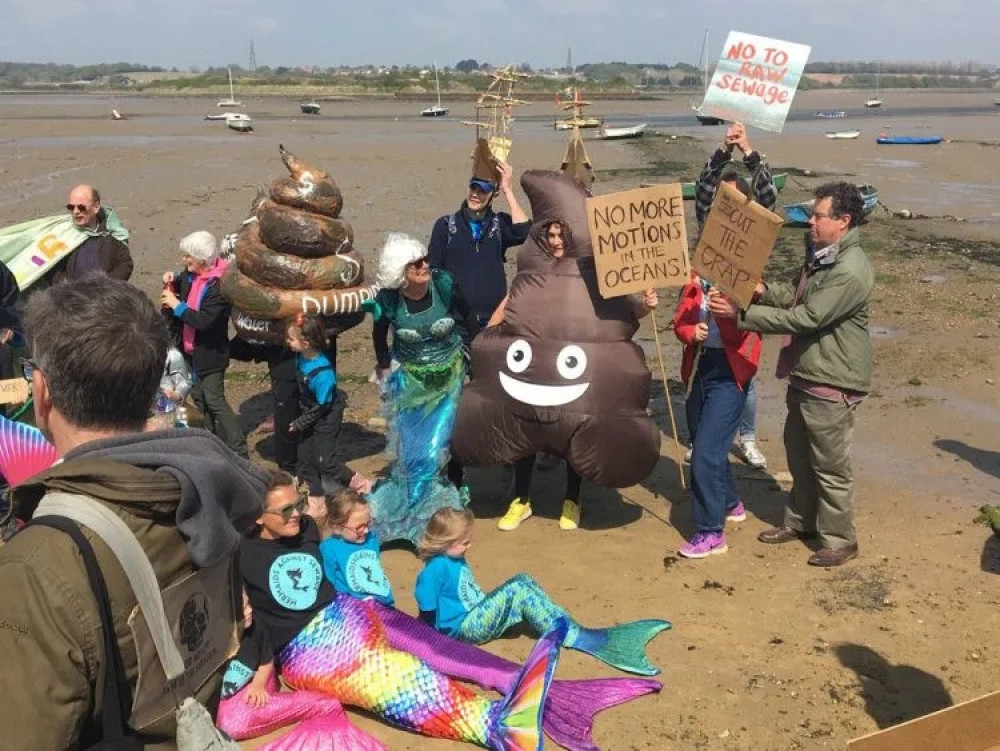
(827, 359)
(766, 194)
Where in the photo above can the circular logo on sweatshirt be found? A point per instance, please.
(294, 579)
(365, 575)
(468, 590)
(237, 676)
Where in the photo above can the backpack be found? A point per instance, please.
(183, 610)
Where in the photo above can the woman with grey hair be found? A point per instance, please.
(199, 322)
(427, 314)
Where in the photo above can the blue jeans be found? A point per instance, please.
(748, 420)
(713, 413)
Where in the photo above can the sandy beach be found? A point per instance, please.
(765, 652)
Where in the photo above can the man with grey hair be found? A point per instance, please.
(99, 346)
(104, 241)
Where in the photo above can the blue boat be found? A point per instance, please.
(911, 140)
(798, 214)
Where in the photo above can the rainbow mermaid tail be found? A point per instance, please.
(24, 451)
(622, 646)
(322, 722)
(344, 653)
(570, 707)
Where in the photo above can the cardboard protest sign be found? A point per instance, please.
(735, 243)
(755, 80)
(13, 391)
(639, 239)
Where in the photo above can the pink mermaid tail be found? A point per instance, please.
(570, 707)
(324, 724)
(343, 652)
(24, 451)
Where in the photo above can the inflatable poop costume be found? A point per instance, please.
(295, 254)
(561, 374)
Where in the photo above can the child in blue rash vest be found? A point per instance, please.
(322, 405)
(450, 600)
(351, 552)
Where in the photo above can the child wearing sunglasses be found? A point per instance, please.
(351, 549)
(318, 427)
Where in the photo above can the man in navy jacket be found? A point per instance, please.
(472, 243)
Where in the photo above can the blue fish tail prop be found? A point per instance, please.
(622, 646)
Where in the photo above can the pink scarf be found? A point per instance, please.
(194, 296)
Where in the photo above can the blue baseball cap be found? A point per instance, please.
(484, 185)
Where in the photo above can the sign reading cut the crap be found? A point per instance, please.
(735, 244)
(639, 239)
(755, 80)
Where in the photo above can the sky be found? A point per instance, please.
(325, 33)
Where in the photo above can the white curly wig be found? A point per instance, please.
(399, 250)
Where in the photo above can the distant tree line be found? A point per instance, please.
(19, 74)
(947, 68)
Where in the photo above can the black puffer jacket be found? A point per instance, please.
(210, 322)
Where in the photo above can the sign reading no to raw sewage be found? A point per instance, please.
(755, 80)
(639, 239)
(735, 244)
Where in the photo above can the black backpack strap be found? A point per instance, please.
(114, 711)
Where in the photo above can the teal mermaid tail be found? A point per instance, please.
(622, 646)
(344, 653)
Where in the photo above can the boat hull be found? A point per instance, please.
(909, 140)
(612, 134)
(843, 134)
(309, 109)
(434, 112)
(798, 214)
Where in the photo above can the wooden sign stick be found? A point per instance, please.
(666, 398)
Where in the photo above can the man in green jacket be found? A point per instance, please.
(98, 348)
(827, 359)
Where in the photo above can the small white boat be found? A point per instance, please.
(309, 108)
(220, 116)
(239, 122)
(435, 110)
(579, 122)
(843, 134)
(632, 131)
(231, 102)
(871, 103)
(117, 115)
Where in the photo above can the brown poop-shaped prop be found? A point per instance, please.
(561, 374)
(296, 254)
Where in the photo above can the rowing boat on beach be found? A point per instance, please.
(886, 139)
(831, 114)
(798, 214)
(843, 134)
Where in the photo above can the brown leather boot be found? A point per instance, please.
(778, 535)
(830, 557)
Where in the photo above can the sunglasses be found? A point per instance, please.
(287, 512)
(418, 263)
(29, 366)
(359, 528)
(71, 207)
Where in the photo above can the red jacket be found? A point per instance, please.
(742, 347)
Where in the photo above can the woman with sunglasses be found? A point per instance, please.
(428, 315)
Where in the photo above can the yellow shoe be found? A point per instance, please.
(570, 518)
(517, 512)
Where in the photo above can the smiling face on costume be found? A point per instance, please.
(565, 371)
